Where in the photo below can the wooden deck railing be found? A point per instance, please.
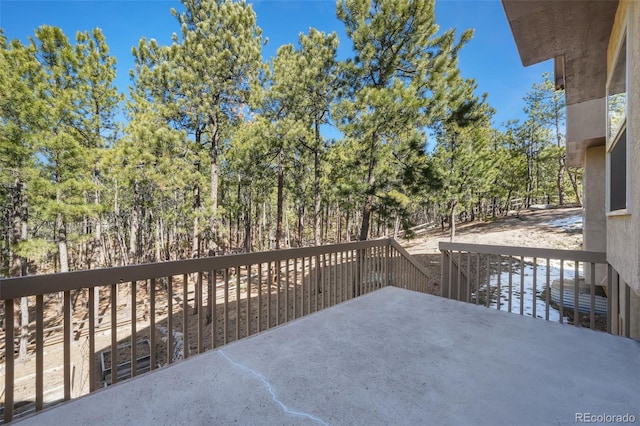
(563, 285)
(118, 322)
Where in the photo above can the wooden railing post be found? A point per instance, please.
(357, 291)
(615, 303)
(627, 310)
(387, 253)
(443, 273)
(8, 359)
(609, 297)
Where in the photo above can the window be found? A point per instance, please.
(617, 162)
(618, 178)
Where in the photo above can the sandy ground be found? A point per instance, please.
(558, 228)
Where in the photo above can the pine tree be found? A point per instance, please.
(546, 105)
(205, 76)
(20, 121)
(399, 79)
(96, 127)
(306, 81)
(466, 165)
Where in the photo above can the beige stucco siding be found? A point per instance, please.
(634, 135)
(593, 206)
(623, 232)
(618, 25)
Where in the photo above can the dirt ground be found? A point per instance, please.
(529, 228)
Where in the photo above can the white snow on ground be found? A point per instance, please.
(519, 283)
(528, 297)
(571, 223)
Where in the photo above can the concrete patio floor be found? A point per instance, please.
(390, 357)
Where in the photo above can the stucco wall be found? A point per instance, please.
(623, 232)
(618, 25)
(635, 316)
(586, 127)
(594, 178)
(634, 106)
(593, 206)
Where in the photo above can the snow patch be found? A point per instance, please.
(521, 291)
(572, 223)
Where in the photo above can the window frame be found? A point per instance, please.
(613, 140)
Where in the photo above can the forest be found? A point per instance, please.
(217, 150)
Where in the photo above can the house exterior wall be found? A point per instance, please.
(618, 25)
(594, 232)
(623, 231)
(586, 126)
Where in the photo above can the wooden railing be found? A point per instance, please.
(573, 286)
(118, 322)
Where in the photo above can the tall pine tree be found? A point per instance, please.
(400, 77)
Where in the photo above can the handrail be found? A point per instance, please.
(31, 285)
(571, 289)
(396, 245)
(574, 255)
(239, 294)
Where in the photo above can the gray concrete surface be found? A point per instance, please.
(391, 357)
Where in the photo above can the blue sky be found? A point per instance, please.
(490, 58)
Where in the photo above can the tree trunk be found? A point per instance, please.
(280, 198)
(338, 224)
(133, 236)
(98, 250)
(287, 236)
(247, 224)
(255, 239)
(317, 237)
(214, 153)
(506, 209)
(264, 234)
(134, 226)
(195, 240)
(366, 217)
(347, 226)
(452, 222)
(325, 222)
(18, 265)
(238, 211)
(300, 225)
(396, 228)
(63, 252)
(574, 183)
(63, 255)
(561, 169)
(368, 203)
(24, 302)
(562, 164)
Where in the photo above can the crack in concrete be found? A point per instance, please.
(274, 397)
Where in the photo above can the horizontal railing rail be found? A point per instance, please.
(573, 255)
(100, 326)
(573, 285)
(407, 271)
(11, 288)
